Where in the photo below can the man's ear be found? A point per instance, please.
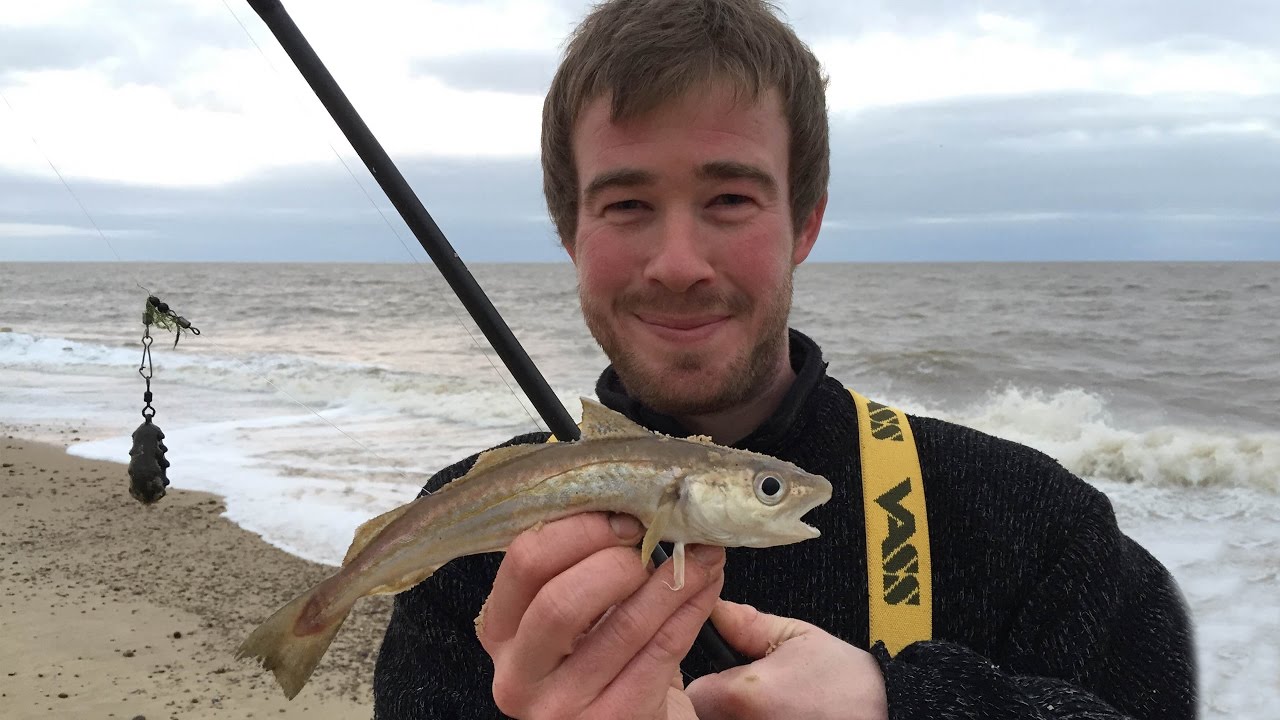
(569, 248)
(809, 232)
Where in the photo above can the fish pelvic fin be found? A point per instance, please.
(677, 567)
(290, 643)
(661, 519)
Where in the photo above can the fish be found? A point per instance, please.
(683, 490)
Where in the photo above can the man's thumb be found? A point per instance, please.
(751, 632)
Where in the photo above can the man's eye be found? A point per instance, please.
(625, 205)
(731, 199)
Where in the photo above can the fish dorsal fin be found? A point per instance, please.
(600, 422)
(492, 458)
(370, 529)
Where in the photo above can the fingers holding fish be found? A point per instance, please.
(649, 621)
(600, 638)
(622, 667)
(569, 606)
(645, 682)
(538, 555)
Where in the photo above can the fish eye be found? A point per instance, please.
(770, 489)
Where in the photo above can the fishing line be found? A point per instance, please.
(63, 180)
(72, 193)
(204, 338)
(409, 253)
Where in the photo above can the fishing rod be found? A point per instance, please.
(446, 259)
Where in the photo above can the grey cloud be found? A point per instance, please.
(849, 18)
(1004, 155)
(485, 208)
(1093, 24)
(1248, 22)
(528, 73)
(823, 18)
(944, 181)
(1096, 24)
(52, 48)
(1066, 176)
(992, 179)
(136, 41)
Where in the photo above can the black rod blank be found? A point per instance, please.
(455, 272)
(424, 228)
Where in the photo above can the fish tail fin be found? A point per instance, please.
(292, 641)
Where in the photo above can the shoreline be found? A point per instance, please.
(114, 609)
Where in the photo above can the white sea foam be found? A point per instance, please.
(56, 353)
(1079, 430)
(313, 382)
(312, 515)
(1074, 426)
(1202, 501)
(1223, 548)
(365, 437)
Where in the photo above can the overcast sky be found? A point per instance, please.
(1053, 130)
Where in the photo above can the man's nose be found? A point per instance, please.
(680, 259)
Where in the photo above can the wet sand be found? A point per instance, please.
(109, 609)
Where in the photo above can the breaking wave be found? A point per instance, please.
(1078, 429)
(474, 399)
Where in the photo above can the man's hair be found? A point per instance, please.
(645, 53)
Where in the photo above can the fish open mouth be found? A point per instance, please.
(820, 495)
(788, 529)
(813, 531)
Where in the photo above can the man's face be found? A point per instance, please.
(685, 247)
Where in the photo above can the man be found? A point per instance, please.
(685, 157)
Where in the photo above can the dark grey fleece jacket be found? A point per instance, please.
(1042, 607)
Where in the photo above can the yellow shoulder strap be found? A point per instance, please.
(899, 573)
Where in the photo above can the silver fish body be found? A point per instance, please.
(683, 491)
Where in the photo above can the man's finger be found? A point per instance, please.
(751, 632)
(630, 627)
(538, 555)
(655, 665)
(567, 607)
(727, 695)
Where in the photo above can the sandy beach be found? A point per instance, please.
(109, 609)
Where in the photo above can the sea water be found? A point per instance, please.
(317, 396)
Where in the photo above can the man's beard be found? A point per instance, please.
(747, 374)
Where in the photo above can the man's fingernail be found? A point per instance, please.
(706, 554)
(624, 526)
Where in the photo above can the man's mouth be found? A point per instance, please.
(682, 328)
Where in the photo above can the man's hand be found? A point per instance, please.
(800, 672)
(578, 627)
